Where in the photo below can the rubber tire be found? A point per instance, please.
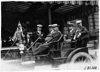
(73, 59)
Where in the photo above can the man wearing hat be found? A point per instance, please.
(48, 41)
(71, 30)
(82, 33)
(38, 33)
(82, 28)
(50, 28)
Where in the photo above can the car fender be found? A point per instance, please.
(83, 49)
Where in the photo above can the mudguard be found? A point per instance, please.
(83, 49)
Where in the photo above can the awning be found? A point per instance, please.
(66, 8)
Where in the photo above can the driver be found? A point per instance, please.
(54, 36)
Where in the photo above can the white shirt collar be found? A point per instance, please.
(39, 32)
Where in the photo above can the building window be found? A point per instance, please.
(96, 21)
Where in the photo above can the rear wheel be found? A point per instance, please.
(81, 57)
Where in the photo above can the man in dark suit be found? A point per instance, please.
(82, 34)
(28, 39)
(71, 31)
(79, 29)
(52, 37)
(38, 34)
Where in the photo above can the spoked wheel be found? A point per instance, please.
(81, 57)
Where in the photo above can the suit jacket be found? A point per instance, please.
(84, 29)
(71, 33)
(54, 37)
(35, 35)
(80, 32)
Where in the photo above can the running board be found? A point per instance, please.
(41, 55)
(60, 58)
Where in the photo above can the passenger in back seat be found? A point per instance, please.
(52, 37)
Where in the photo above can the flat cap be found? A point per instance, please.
(55, 25)
(78, 21)
(70, 23)
(50, 25)
(39, 25)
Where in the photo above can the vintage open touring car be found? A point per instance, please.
(61, 52)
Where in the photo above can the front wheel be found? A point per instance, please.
(81, 57)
